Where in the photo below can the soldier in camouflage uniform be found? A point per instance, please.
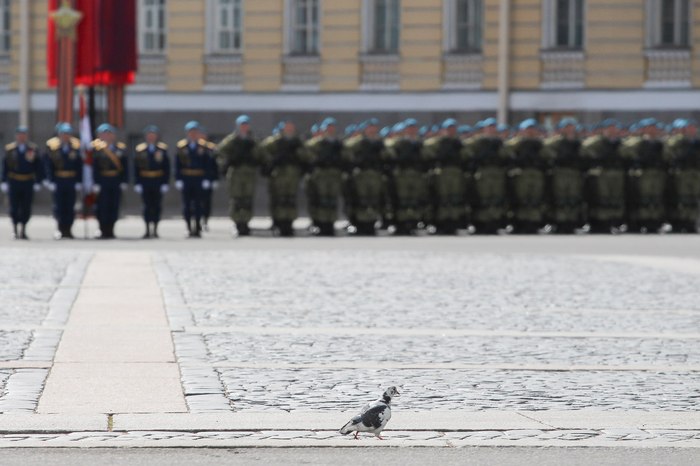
(526, 178)
(324, 182)
(647, 178)
(682, 153)
(447, 181)
(487, 167)
(565, 177)
(604, 183)
(366, 184)
(408, 184)
(239, 160)
(285, 163)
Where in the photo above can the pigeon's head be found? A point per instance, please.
(391, 392)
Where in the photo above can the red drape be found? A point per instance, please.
(105, 44)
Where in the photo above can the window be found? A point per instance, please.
(5, 27)
(152, 27)
(669, 23)
(303, 27)
(382, 26)
(226, 19)
(564, 20)
(464, 19)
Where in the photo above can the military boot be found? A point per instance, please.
(147, 235)
(23, 231)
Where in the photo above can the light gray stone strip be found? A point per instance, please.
(634, 438)
(204, 391)
(179, 314)
(67, 291)
(22, 391)
(202, 386)
(201, 383)
(43, 345)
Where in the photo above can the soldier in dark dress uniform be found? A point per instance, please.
(151, 178)
(64, 177)
(22, 174)
(193, 177)
(110, 173)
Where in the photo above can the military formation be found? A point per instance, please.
(403, 179)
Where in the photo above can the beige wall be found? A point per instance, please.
(614, 44)
(614, 51)
(262, 45)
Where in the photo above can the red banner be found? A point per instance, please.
(105, 44)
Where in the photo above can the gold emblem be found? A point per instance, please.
(30, 155)
(72, 155)
(158, 156)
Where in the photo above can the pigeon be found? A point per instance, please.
(373, 417)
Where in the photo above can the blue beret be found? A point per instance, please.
(372, 122)
(410, 122)
(384, 132)
(610, 122)
(647, 122)
(528, 123)
(449, 122)
(192, 125)
(151, 129)
(21, 129)
(398, 127)
(463, 129)
(679, 123)
(64, 127)
(330, 121)
(349, 129)
(564, 122)
(242, 120)
(502, 128)
(106, 128)
(423, 130)
(314, 128)
(489, 122)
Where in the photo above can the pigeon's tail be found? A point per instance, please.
(347, 428)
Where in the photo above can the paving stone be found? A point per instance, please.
(473, 390)
(308, 349)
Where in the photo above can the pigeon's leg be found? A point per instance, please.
(357, 432)
(380, 437)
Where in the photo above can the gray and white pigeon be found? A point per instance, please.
(373, 417)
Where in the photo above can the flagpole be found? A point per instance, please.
(85, 143)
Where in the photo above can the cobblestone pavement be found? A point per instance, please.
(13, 344)
(324, 329)
(36, 292)
(414, 290)
(4, 375)
(428, 349)
(474, 390)
(329, 329)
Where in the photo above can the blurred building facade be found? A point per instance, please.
(428, 59)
